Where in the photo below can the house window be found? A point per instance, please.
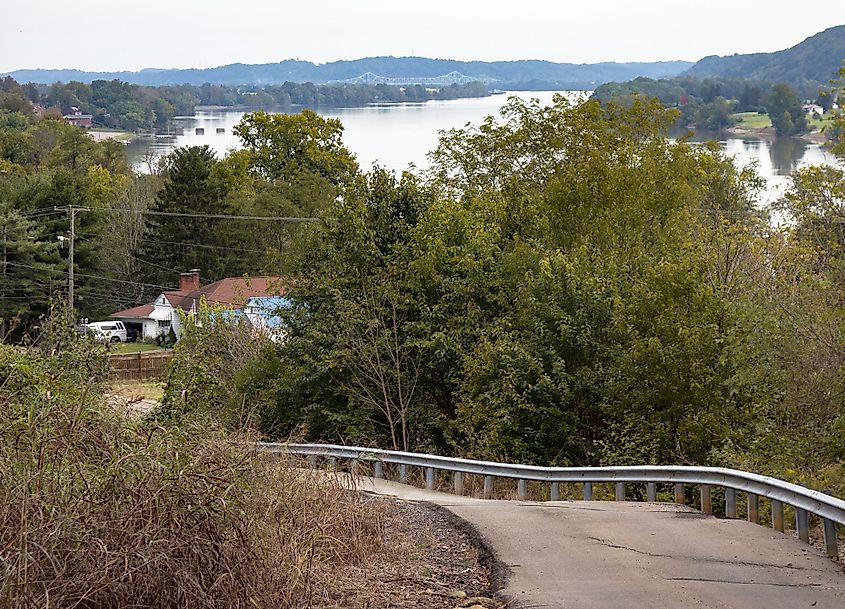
(164, 323)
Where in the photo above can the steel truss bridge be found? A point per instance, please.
(452, 78)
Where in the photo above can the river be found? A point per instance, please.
(400, 135)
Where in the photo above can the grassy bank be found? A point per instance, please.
(755, 120)
(752, 120)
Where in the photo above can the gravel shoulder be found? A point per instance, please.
(430, 560)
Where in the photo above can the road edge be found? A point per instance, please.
(499, 571)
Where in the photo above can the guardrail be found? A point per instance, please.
(805, 501)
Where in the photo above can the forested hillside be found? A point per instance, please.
(566, 287)
(528, 74)
(815, 60)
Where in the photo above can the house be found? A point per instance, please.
(811, 109)
(233, 293)
(77, 119)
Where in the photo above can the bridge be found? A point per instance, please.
(452, 78)
(624, 554)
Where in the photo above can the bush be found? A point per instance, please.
(207, 364)
(100, 511)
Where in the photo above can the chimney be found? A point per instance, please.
(189, 281)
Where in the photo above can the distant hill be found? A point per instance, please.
(815, 60)
(529, 74)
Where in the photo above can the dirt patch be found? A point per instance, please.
(429, 561)
(137, 390)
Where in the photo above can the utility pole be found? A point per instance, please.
(70, 307)
(71, 240)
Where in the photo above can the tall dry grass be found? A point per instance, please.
(100, 511)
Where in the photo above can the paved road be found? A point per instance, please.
(609, 555)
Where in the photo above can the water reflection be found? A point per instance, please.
(401, 135)
(787, 153)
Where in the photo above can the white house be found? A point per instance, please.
(811, 109)
(158, 317)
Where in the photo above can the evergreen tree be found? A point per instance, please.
(176, 244)
(24, 290)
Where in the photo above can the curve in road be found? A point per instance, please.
(619, 555)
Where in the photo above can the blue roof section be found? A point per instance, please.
(267, 307)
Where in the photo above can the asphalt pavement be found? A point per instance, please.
(623, 555)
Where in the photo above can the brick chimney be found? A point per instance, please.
(189, 281)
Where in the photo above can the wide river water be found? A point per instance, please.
(399, 135)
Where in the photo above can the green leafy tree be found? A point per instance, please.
(282, 146)
(785, 110)
(836, 129)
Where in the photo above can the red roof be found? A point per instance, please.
(230, 292)
(136, 313)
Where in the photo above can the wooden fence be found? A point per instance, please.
(151, 365)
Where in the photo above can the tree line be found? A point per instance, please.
(710, 103)
(121, 105)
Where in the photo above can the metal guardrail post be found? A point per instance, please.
(403, 474)
(680, 498)
(706, 499)
(802, 523)
(312, 461)
(777, 515)
(333, 464)
(588, 491)
(459, 483)
(651, 492)
(378, 470)
(830, 544)
(522, 489)
(353, 467)
(730, 503)
(620, 491)
(753, 508)
(555, 492)
(488, 487)
(429, 478)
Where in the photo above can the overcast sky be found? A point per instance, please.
(121, 35)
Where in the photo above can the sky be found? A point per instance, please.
(119, 35)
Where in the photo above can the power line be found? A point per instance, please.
(43, 211)
(62, 272)
(216, 247)
(158, 266)
(148, 212)
(87, 237)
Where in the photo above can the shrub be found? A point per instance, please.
(215, 347)
(100, 511)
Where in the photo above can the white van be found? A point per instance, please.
(109, 331)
